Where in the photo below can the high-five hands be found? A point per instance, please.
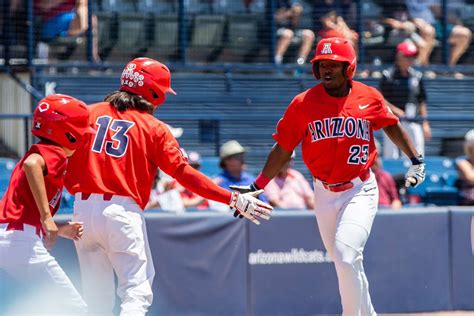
(247, 205)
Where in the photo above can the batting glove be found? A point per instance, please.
(416, 173)
(247, 205)
(243, 189)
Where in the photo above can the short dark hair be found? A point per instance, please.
(123, 101)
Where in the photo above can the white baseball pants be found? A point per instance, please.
(114, 240)
(48, 289)
(345, 220)
(415, 131)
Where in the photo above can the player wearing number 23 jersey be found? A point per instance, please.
(336, 133)
(334, 121)
(111, 177)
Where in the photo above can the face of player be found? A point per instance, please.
(332, 77)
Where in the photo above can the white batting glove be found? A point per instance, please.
(250, 207)
(416, 173)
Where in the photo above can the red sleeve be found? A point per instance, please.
(200, 184)
(289, 131)
(380, 114)
(168, 155)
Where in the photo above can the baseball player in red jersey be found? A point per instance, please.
(32, 199)
(335, 121)
(111, 177)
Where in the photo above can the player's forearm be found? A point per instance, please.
(200, 184)
(275, 161)
(33, 167)
(400, 138)
(397, 111)
(62, 230)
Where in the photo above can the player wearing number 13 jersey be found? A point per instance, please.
(335, 121)
(111, 177)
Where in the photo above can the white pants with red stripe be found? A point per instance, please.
(345, 221)
(114, 240)
(45, 288)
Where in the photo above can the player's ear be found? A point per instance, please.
(344, 70)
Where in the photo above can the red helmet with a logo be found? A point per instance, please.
(338, 49)
(62, 119)
(148, 78)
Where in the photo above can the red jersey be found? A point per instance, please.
(336, 133)
(18, 204)
(123, 156)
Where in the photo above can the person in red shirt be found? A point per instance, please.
(111, 177)
(334, 121)
(33, 197)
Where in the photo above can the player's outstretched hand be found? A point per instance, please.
(248, 206)
(71, 230)
(415, 175)
(243, 189)
(50, 232)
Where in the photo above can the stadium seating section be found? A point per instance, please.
(214, 108)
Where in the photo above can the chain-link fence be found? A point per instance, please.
(225, 31)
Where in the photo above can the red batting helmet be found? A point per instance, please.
(61, 119)
(338, 49)
(148, 78)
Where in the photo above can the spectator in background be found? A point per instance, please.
(459, 36)
(403, 88)
(289, 189)
(420, 14)
(189, 198)
(388, 192)
(164, 193)
(232, 156)
(395, 15)
(426, 15)
(465, 167)
(287, 17)
(328, 16)
(63, 19)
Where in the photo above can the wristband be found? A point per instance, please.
(417, 160)
(261, 181)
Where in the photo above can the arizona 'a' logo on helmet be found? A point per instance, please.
(326, 49)
(337, 49)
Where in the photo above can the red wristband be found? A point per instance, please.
(261, 181)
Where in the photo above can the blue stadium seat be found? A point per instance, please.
(395, 166)
(442, 196)
(432, 180)
(7, 164)
(450, 177)
(207, 37)
(163, 41)
(4, 183)
(439, 164)
(210, 166)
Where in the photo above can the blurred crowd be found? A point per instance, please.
(299, 23)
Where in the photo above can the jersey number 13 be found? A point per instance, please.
(117, 146)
